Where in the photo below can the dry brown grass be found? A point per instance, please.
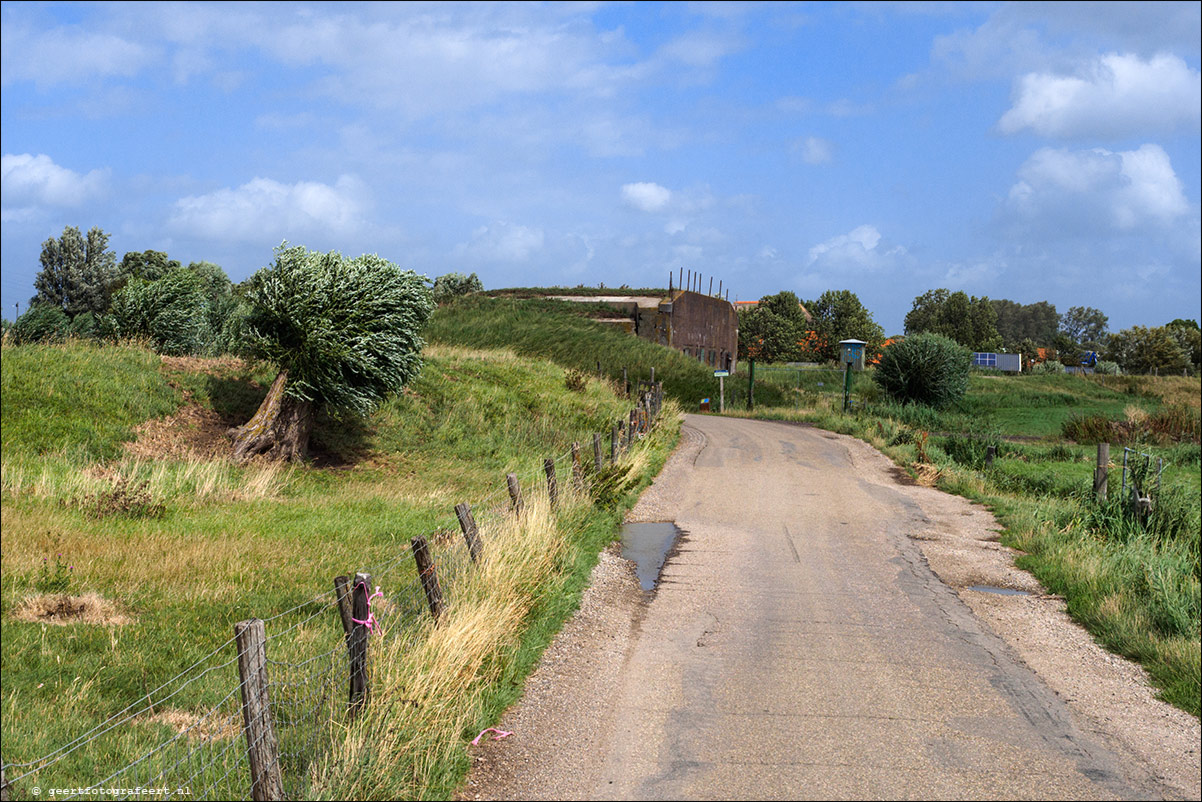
(442, 671)
(63, 610)
(213, 726)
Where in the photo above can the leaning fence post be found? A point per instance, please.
(1099, 474)
(552, 487)
(577, 467)
(425, 569)
(515, 492)
(471, 533)
(597, 458)
(262, 747)
(360, 612)
(613, 444)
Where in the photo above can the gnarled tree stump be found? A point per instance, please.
(279, 429)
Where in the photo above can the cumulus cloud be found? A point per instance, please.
(646, 196)
(263, 207)
(32, 181)
(502, 242)
(1096, 191)
(858, 248)
(1117, 95)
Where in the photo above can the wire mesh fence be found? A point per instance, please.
(190, 736)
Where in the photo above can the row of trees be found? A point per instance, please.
(84, 292)
(783, 328)
(779, 329)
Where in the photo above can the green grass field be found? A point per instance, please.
(181, 545)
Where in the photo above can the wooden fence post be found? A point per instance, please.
(471, 533)
(1099, 473)
(262, 747)
(4, 787)
(613, 445)
(515, 492)
(342, 592)
(990, 453)
(577, 467)
(597, 458)
(360, 609)
(552, 487)
(625, 383)
(425, 569)
(633, 427)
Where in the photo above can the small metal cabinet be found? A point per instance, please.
(851, 352)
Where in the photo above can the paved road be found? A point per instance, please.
(799, 647)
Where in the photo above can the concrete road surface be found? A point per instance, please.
(799, 647)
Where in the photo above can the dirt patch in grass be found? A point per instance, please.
(213, 726)
(192, 432)
(63, 610)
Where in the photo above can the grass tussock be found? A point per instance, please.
(63, 610)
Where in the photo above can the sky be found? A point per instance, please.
(1031, 151)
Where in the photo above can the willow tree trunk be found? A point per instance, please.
(279, 429)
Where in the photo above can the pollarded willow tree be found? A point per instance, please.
(344, 333)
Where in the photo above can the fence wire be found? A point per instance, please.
(205, 754)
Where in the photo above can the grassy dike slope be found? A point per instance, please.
(181, 545)
(560, 331)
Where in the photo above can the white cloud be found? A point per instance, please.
(266, 208)
(857, 246)
(1117, 95)
(502, 242)
(67, 55)
(30, 181)
(815, 150)
(646, 196)
(1096, 192)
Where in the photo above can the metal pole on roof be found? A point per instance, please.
(669, 283)
(719, 288)
(711, 292)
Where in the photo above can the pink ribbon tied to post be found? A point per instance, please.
(499, 735)
(371, 623)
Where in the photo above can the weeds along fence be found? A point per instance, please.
(251, 718)
(800, 386)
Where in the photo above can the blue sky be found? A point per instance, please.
(1025, 151)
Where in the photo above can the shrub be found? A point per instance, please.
(925, 369)
(452, 285)
(41, 323)
(1044, 368)
(172, 312)
(970, 451)
(1106, 368)
(575, 380)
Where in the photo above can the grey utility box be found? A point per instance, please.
(851, 352)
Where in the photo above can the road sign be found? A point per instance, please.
(720, 373)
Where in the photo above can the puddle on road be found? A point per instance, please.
(648, 546)
(1001, 591)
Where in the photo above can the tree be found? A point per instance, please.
(1084, 325)
(147, 265)
(344, 334)
(452, 285)
(774, 330)
(77, 272)
(1016, 322)
(839, 315)
(970, 321)
(1187, 335)
(1146, 350)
